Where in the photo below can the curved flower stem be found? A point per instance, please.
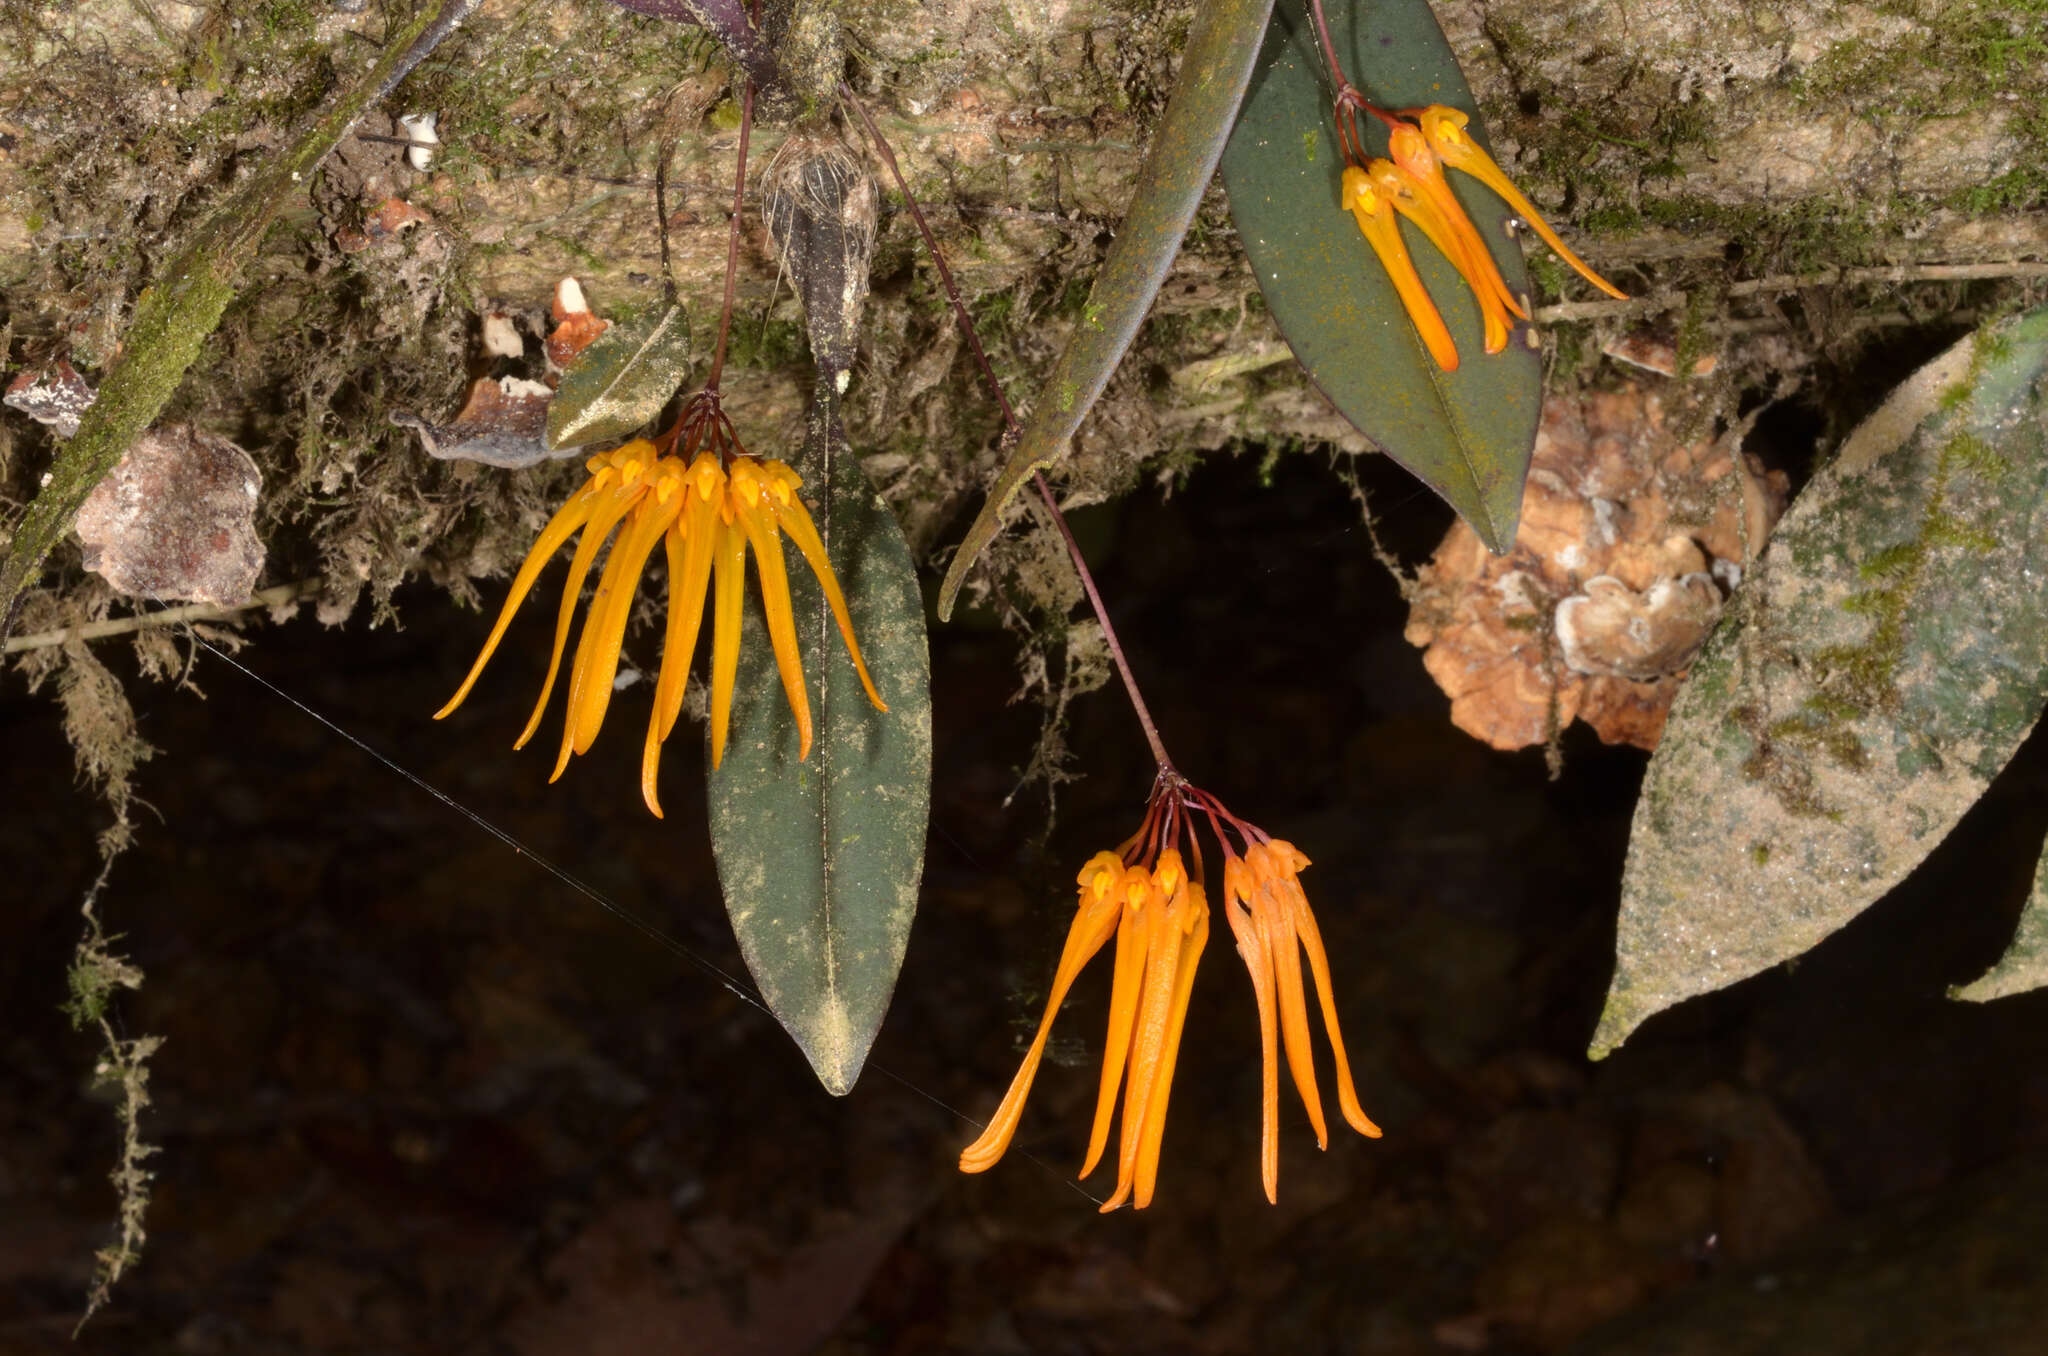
(1011, 431)
(1348, 98)
(1116, 649)
(732, 242)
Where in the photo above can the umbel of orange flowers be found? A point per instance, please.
(706, 503)
(1150, 895)
(1409, 182)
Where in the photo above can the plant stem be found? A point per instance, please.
(1011, 430)
(1337, 76)
(1116, 649)
(931, 244)
(732, 241)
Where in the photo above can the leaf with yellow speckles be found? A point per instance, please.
(820, 858)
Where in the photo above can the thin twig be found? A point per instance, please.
(732, 241)
(1792, 282)
(275, 596)
(1011, 431)
(931, 245)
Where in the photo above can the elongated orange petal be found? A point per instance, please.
(1148, 1041)
(796, 521)
(696, 531)
(611, 507)
(1278, 927)
(1094, 923)
(775, 606)
(589, 640)
(1376, 220)
(1410, 150)
(1319, 964)
(590, 682)
(1473, 259)
(1251, 946)
(674, 669)
(572, 515)
(730, 562)
(1191, 946)
(1401, 189)
(1445, 130)
(1133, 942)
(1449, 238)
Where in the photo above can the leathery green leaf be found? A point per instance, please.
(820, 858)
(1185, 145)
(622, 379)
(2024, 966)
(1466, 434)
(1874, 672)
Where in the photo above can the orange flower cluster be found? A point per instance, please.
(706, 511)
(1410, 183)
(1144, 895)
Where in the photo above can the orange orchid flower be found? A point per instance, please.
(707, 512)
(1144, 896)
(1270, 916)
(1424, 174)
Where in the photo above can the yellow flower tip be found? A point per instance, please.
(1410, 149)
(1444, 129)
(1358, 194)
(1289, 857)
(747, 481)
(1237, 879)
(1100, 876)
(705, 476)
(1170, 873)
(783, 482)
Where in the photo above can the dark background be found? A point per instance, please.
(416, 1095)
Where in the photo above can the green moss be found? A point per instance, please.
(769, 345)
(726, 116)
(1857, 681)
(1788, 778)
(1956, 59)
(1692, 342)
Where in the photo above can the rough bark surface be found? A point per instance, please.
(1711, 157)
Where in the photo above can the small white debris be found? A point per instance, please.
(419, 128)
(569, 299)
(500, 337)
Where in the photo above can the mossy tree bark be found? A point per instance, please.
(1718, 166)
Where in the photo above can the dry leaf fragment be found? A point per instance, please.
(52, 394)
(176, 519)
(383, 225)
(502, 423)
(1654, 352)
(575, 327)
